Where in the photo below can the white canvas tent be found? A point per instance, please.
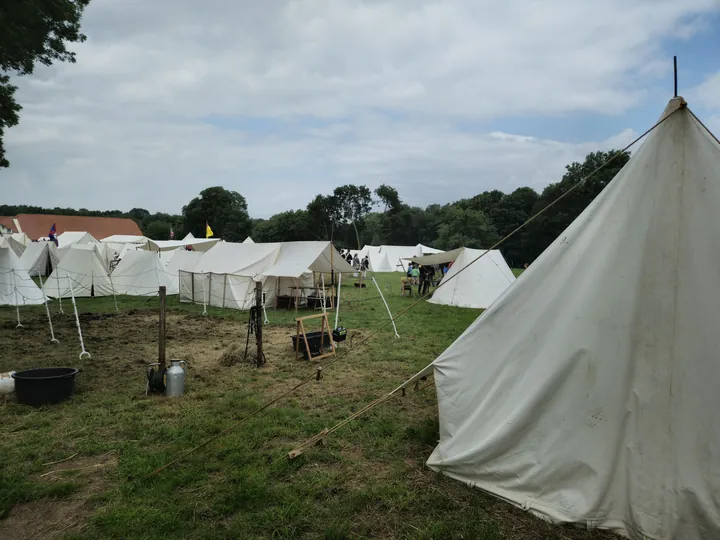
(40, 258)
(397, 255)
(588, 392)
(103, 251)
(141, 273)
(16, 287)
(121, 243)
(82, 270)
(197, 244)
(75, 237)
(379, 262)
(470, 285)
(9, 241)
(248, 240)
(225, 276)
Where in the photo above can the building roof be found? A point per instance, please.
(38, 225)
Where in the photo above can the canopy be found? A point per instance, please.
(40, 258)
(474, 284)
(141, 273)
(125, 239)
(442, 257)
(82, 271)
(588, 392)
(16, 287)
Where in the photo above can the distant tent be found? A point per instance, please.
(189, 236)
(75, 237)
(588, 393)
(475, 285)
(121, 243)
(379, 262)
(397, 255)
(248, 240)
(141, 273)
(82, 270)
(16, 286)
(40, 258)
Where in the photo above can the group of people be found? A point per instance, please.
(355, 261)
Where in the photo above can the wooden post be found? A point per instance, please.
(259, 321)
(192, 286)
(224, 290)
(161, 340)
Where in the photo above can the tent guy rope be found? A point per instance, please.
(359, 344)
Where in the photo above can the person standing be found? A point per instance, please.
(415, 273)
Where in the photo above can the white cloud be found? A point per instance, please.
(367, 92)
(707, 94)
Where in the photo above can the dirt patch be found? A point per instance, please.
(48, 518)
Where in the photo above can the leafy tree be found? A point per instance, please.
(465, 227)
(507, 215)
(389, 197)
(320, 221)
(225, 211)
(157, 230)
(33, 31)
(287, 226)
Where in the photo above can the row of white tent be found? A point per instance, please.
(388, 258)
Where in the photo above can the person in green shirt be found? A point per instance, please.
(415, 273)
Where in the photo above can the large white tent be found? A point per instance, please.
(16, 287)
(82, 271)
(141, 273)
(75, 237)
(225, 276)
(468, 284)
(588, 392)
(39, 258)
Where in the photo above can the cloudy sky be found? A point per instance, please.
(281, 100)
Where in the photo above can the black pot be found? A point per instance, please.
(44, 386)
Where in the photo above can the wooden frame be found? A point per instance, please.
(324, 324)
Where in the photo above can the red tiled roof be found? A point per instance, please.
(7, 221)
(38, 225)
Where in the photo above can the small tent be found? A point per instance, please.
(141, 273)
(248, 240)
(75, 237)
(103, 251)
(40, 258)
(475, 280)
(397, 255)
(81, 272)
(588, 393)
(16, 287)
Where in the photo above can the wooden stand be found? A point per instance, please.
(325, 325)
(259, 323)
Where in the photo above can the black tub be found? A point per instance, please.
(44, 386)
(314, 343)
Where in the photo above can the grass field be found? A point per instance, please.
(367, 481)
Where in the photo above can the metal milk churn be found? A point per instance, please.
(175, 378)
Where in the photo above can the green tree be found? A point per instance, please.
(31, 32)
(389, 197)
(157, 230)
(539, 234)
(287, 226)
(225, 211)
(465, 227)
(507, 215)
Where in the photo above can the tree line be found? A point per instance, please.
(353, 216)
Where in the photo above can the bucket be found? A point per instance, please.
(7, 383)
(44, 386)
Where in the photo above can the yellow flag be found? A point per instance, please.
(208, 231)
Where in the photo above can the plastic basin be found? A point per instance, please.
(44, 386)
